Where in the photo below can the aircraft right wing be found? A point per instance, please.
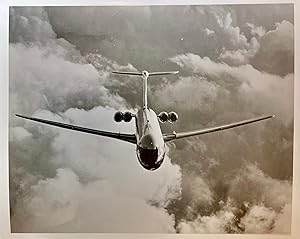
(174, 135)
(125, 137)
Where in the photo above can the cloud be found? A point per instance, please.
(276, 53)
(29, 25)
(240, 56)
(180, 91)
(262, 216)
(219, 32)
(234, 38)
(66, 83)
(245, 80)
(208, 224)
(238, 93)
(250, 181)
(261, 219)
(209, 32)
(64, 204)
(18, 133)
(258, 31)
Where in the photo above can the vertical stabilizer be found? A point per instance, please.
(145, 75)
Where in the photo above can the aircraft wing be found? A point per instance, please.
(174, 135)
(125, 137)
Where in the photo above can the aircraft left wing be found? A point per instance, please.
(174, 135)
(125, 137)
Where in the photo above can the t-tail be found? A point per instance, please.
(145, 75)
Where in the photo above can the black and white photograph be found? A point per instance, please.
(173, 119)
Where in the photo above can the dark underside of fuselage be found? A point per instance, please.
(149, 158)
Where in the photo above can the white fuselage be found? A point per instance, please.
(150, 144)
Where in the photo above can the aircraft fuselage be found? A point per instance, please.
(150, 144)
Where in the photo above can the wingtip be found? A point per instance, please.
(270, 116)
(22, 116)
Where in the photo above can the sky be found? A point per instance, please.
(235, 62)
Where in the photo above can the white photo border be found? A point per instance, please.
(5, 231)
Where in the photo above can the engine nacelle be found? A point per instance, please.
(118, 117)
(163, 117)
(127, 116)
(172, 117)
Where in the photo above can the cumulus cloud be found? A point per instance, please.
(258, 31)
(276, 53)
(18, 133)
(240, 90)
(245, 80)
(262, 219)
(219, 32)
(251, 180)
(232, 34)
(217, 223)
(240, 56)
(259, 219)
(209, 32)
(249, 216)
(206, 93)
(29, 25)
(50, 74)
(64, 204)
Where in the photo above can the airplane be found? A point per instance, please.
(149, 140)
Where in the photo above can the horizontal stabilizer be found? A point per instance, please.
(163, 73)
(127, 73)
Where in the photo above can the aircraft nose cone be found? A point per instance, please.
(148, 142)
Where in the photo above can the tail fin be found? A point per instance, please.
(145, 75)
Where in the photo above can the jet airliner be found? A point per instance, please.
(148, 137)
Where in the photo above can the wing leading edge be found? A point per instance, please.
(174, 135)
(125, 137)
